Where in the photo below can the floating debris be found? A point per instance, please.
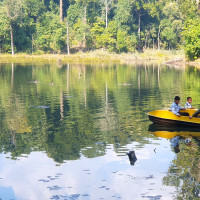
(132, 157)
(126, 84)
(43, 107)
(68, 96)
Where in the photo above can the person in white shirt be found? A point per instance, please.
(188, 103)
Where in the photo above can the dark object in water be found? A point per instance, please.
(132, 157)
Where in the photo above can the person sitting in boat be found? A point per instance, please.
(195, 114)
(175, 108)
(188, 103)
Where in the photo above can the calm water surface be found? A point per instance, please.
(65, 131)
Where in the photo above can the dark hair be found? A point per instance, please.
(177, 98)
(188, 98)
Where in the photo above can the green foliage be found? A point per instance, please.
(97, 31)
(192, 39)
(123, 12)
(73, 13)
(121, 41)
(51, 34)
(171, 25)
(132, 42)
(108, 38)
(81, 32)
(188, 8)
(132, 25)
(4, 31)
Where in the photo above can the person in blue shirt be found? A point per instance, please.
(175, 108)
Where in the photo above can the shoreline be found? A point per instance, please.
(163, 56)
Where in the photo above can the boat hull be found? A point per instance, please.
(166, 117)
(171, 122)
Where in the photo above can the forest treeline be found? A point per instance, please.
(64, 26)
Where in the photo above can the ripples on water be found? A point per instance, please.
(65, 133)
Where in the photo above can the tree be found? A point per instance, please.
(171, 25)
(192, 39)
(107, 7)
(61, 11)
(123, 13)
(96, 32)
(188, 8)
(122, 41)
(13, 9)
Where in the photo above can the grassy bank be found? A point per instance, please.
(97, 56)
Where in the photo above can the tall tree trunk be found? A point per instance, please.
(85, 14)
(139, 32)
(68, 52)
(106, 4)
(12, 41)
(159, 38)
(61, 11)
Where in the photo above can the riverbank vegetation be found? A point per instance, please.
(97, 56)
(117, 26)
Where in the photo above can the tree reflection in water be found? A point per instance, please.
(184, 171)
(90, 108)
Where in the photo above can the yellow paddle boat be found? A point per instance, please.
(168, 118)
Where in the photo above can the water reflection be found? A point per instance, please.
(62, 125)
(184, 170)
(169, 132)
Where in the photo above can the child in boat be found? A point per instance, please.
(188, 103)
(175, 108)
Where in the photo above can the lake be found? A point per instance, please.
(65, 131)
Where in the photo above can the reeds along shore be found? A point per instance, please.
(97, 56)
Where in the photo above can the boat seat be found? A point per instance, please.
(183, 113)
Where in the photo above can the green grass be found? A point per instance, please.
(97, 56)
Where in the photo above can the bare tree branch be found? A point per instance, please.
(12, 18)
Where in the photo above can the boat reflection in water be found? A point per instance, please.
(175, 134)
